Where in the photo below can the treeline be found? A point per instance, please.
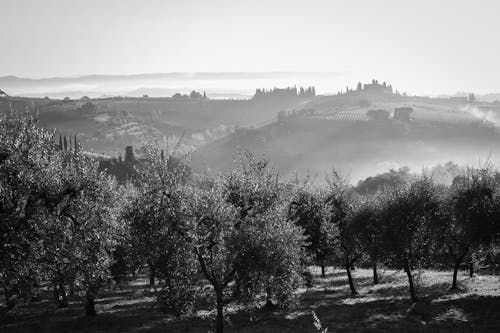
(194, 95)
(288, 92)
(250, 235)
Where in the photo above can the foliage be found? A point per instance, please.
(271, 244)
(157, 215)
(472, 204)
(308, 210)
(410, 214)
(27, 195)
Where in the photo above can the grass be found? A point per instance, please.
(384, 307)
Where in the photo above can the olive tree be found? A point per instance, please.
(340, 204)
(28, 166)
(159, 210)
(272, 254)
(472, 208)
(366, 224)
(308, 210)
(215, 238)
(409, 216)
(89, 216)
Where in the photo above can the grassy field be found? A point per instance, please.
(385, 307)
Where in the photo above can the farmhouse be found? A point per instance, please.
(402, 113)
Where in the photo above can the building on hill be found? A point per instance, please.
(402, 113)
(376, 88)
(369, 88)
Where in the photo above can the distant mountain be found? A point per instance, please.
(226, 84)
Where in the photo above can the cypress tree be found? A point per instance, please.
(129, 155)
(65, 143)
(60, 142)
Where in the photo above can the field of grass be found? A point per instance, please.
(385, 307)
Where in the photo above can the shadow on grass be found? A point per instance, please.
(384, 307)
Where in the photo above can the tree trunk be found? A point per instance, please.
(72, 284)
(454, 285)
(220, 312)
(152, 271)
(63, 297)
(59, 294)
(410, 281)
(349, 277)
(471, 268)
(322, 268)
(8, 294)
(352, 266)
(72, 288)
(375, 274)
(90, 303)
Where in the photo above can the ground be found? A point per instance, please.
(385, 307)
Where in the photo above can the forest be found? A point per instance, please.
(245, 238)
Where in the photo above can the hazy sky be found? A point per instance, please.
(422, 46)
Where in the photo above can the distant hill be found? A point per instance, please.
(361, 131)
(107, 125)
(336, 131)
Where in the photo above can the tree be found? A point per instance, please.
(308, 211)
(195, 95)
(60, 142)
(158, 211)
(58, 212)
(340, 208)
(253, 186)
(472, 205)
(216, 240)
(90, 216)
(271, 259)
(129, 155)
(383, 181)
(410, 213)
(255, 189)
(367, 225)
(27, 167)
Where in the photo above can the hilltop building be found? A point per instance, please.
(370, 88)
(376, 88)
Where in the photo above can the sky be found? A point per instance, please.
(426, 47)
